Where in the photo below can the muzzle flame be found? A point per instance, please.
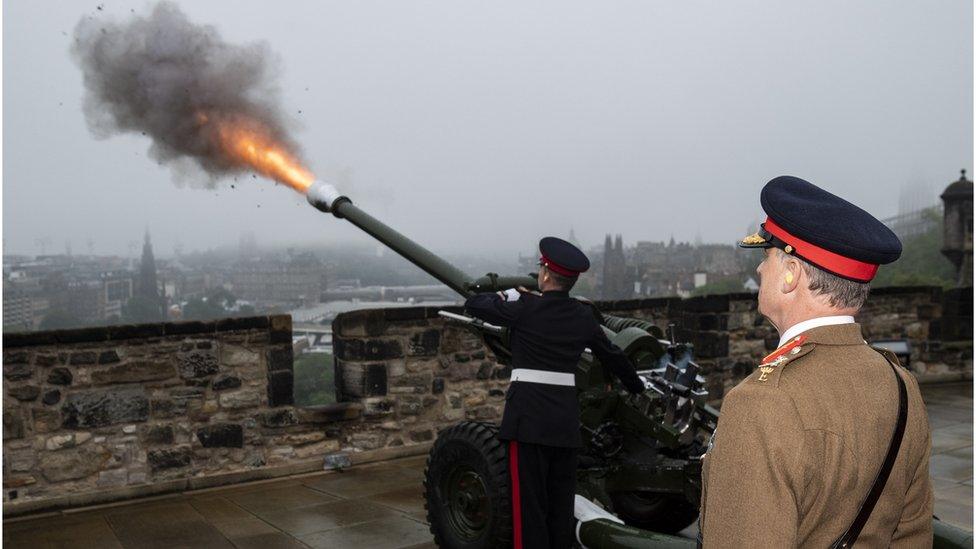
(247, 143)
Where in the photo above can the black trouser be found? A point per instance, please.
(543, 491)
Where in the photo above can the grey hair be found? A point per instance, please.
(840, 292)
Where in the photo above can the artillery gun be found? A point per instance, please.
(641, 455)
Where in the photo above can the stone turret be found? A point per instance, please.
(958, 228)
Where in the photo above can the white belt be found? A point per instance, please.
(544, 376)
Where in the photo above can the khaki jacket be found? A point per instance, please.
(795, 453)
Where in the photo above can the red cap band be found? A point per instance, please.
(556, 268)
(823, 258)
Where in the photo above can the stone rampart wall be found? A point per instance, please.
(94, 415)
(107, 410)
(415, 373)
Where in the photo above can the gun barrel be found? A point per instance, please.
(326, 198)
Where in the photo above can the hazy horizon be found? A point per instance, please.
(485, 127)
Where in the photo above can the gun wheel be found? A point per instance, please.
(466, 488)
(655, 512)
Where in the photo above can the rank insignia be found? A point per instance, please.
(753, 239)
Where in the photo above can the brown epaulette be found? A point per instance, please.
(771, 367)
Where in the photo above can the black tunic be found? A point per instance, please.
(549, 333)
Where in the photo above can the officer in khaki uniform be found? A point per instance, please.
(803, 440)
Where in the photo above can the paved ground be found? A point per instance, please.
(379, 506)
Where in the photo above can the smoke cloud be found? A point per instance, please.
(165, 77)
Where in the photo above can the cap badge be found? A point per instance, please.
(788, 249)
(753, 239)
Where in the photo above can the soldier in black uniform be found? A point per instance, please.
(548, 334)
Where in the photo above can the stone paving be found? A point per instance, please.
(379, 506)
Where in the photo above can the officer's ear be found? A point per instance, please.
(791, 274)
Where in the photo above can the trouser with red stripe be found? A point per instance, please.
(543, 491)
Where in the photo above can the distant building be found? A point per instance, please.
(958, 228)
(678, 268)
(299, 280)
(148, 286)
(617, 281)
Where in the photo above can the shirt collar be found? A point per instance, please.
(555, 293)
(807, 325)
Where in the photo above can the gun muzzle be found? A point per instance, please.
(324, 197)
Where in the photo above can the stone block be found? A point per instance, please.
(281, 388)
(17, 371)
(240, 399)
(169, 458)
(81, 358)
(369, 322)
(422, 435)
(483, 413)
(16, 357)
(133, 372)
(709, 344)
(223, 382)
(51, 397)
(75, 464)
(158, 434)
(45, 420)
(410, 405)
(281, 359)
(242, 323)
(20, 461)
(375, 380)
(377, 407)
(317, 449)
(60, 376)
(413, 383)
(45, 360)
(18, 481)
(134, 331)
(235, 355)
(279, 418)
(221, 435)
(368, 441)
(330, 413)
(109, 357)
(13, 424)
(368, 349)
(425, 343)
(69, 440)
(24, 393)
(418, 365)
(280, 329)
(106, 407)
(197, 364)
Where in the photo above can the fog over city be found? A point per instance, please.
(485, 126)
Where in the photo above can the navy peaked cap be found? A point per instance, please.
(823, 229)
(561, 257)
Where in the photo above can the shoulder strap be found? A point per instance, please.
(850, 536)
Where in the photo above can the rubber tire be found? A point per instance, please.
(658, 513)
(475, 445)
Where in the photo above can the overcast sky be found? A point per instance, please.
(486, 125)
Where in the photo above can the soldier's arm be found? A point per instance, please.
(612, 357)
(491, 308)
(915, 526)
(754, 470)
